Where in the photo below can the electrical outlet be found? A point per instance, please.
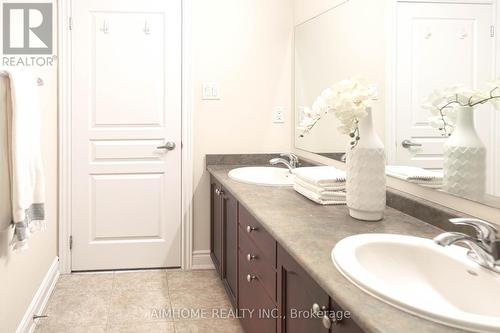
(278, 115)
(210, 90)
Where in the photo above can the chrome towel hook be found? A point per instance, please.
(146, 29)
(105, 27)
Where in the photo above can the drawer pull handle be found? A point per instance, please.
(318, 311)
(251, 257)
(217, 191)
(327, 323)
(250, 277)
(250, 228)
(316, 308)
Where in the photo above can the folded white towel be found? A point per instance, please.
(25, 161)
(318, 199)
(434, 186)
(319, 189)
(415, 174)
(321, 175)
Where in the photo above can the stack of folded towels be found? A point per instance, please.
(428, 178)
(323, 184)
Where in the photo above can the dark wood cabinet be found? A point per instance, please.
(304, 306)
(224, 238)
(257, 275)
(230, 249)
(216, 226)
(272, 292)
(297, 295)
(257, 310)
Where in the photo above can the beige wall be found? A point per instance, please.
(246, 46)
(22, 273)
(307, 9)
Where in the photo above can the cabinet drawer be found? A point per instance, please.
(254, 261)
(251, 227)
(257, 309)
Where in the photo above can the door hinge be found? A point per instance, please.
(71, 242)
(492, 31)
(70, 23)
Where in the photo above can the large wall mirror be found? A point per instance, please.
(409, 49)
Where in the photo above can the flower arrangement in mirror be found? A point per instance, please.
(348, 100)
(351, 102)
(464, 154)
(443, 104)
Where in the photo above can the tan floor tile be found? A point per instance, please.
(190, 280)
(143, 280)
(208, 326)
(78, 308)
(46, 325)
(80, 282)
(137, 302)
(166, 327)
(128, 306)
(198, 303)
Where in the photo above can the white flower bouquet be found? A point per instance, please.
(442, 104)
(348, 101)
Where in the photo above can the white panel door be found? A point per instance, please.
(438, 45)
(126, 102)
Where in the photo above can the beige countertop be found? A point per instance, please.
(309, 232)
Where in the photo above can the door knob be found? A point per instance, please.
(170, 145)
(408, 144)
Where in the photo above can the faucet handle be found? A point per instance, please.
(294, 160)
(485, 231)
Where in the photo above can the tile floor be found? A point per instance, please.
(146, 301)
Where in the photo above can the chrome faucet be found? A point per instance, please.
(291, 164)
(484, 249)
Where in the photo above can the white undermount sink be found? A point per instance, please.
(267, 176)
(420, 277)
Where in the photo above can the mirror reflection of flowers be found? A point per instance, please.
(443, 103)
(348, 101)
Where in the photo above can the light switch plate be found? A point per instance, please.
(210, 90)
(278, 115)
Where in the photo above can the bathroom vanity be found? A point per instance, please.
(261, 276)
(271, 247)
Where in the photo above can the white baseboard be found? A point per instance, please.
(202, 260)
(40, 299)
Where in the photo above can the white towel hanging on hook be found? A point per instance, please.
(27, 184)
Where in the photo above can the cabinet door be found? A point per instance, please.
(230, 245)
(298, 297)
(216, 226)
(297, 294)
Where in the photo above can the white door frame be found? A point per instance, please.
(390, 118)
(64, 136)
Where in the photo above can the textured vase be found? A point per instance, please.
(465, 159)
(366, 181)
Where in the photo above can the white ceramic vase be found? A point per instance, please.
(465, 159)
(366, 180)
